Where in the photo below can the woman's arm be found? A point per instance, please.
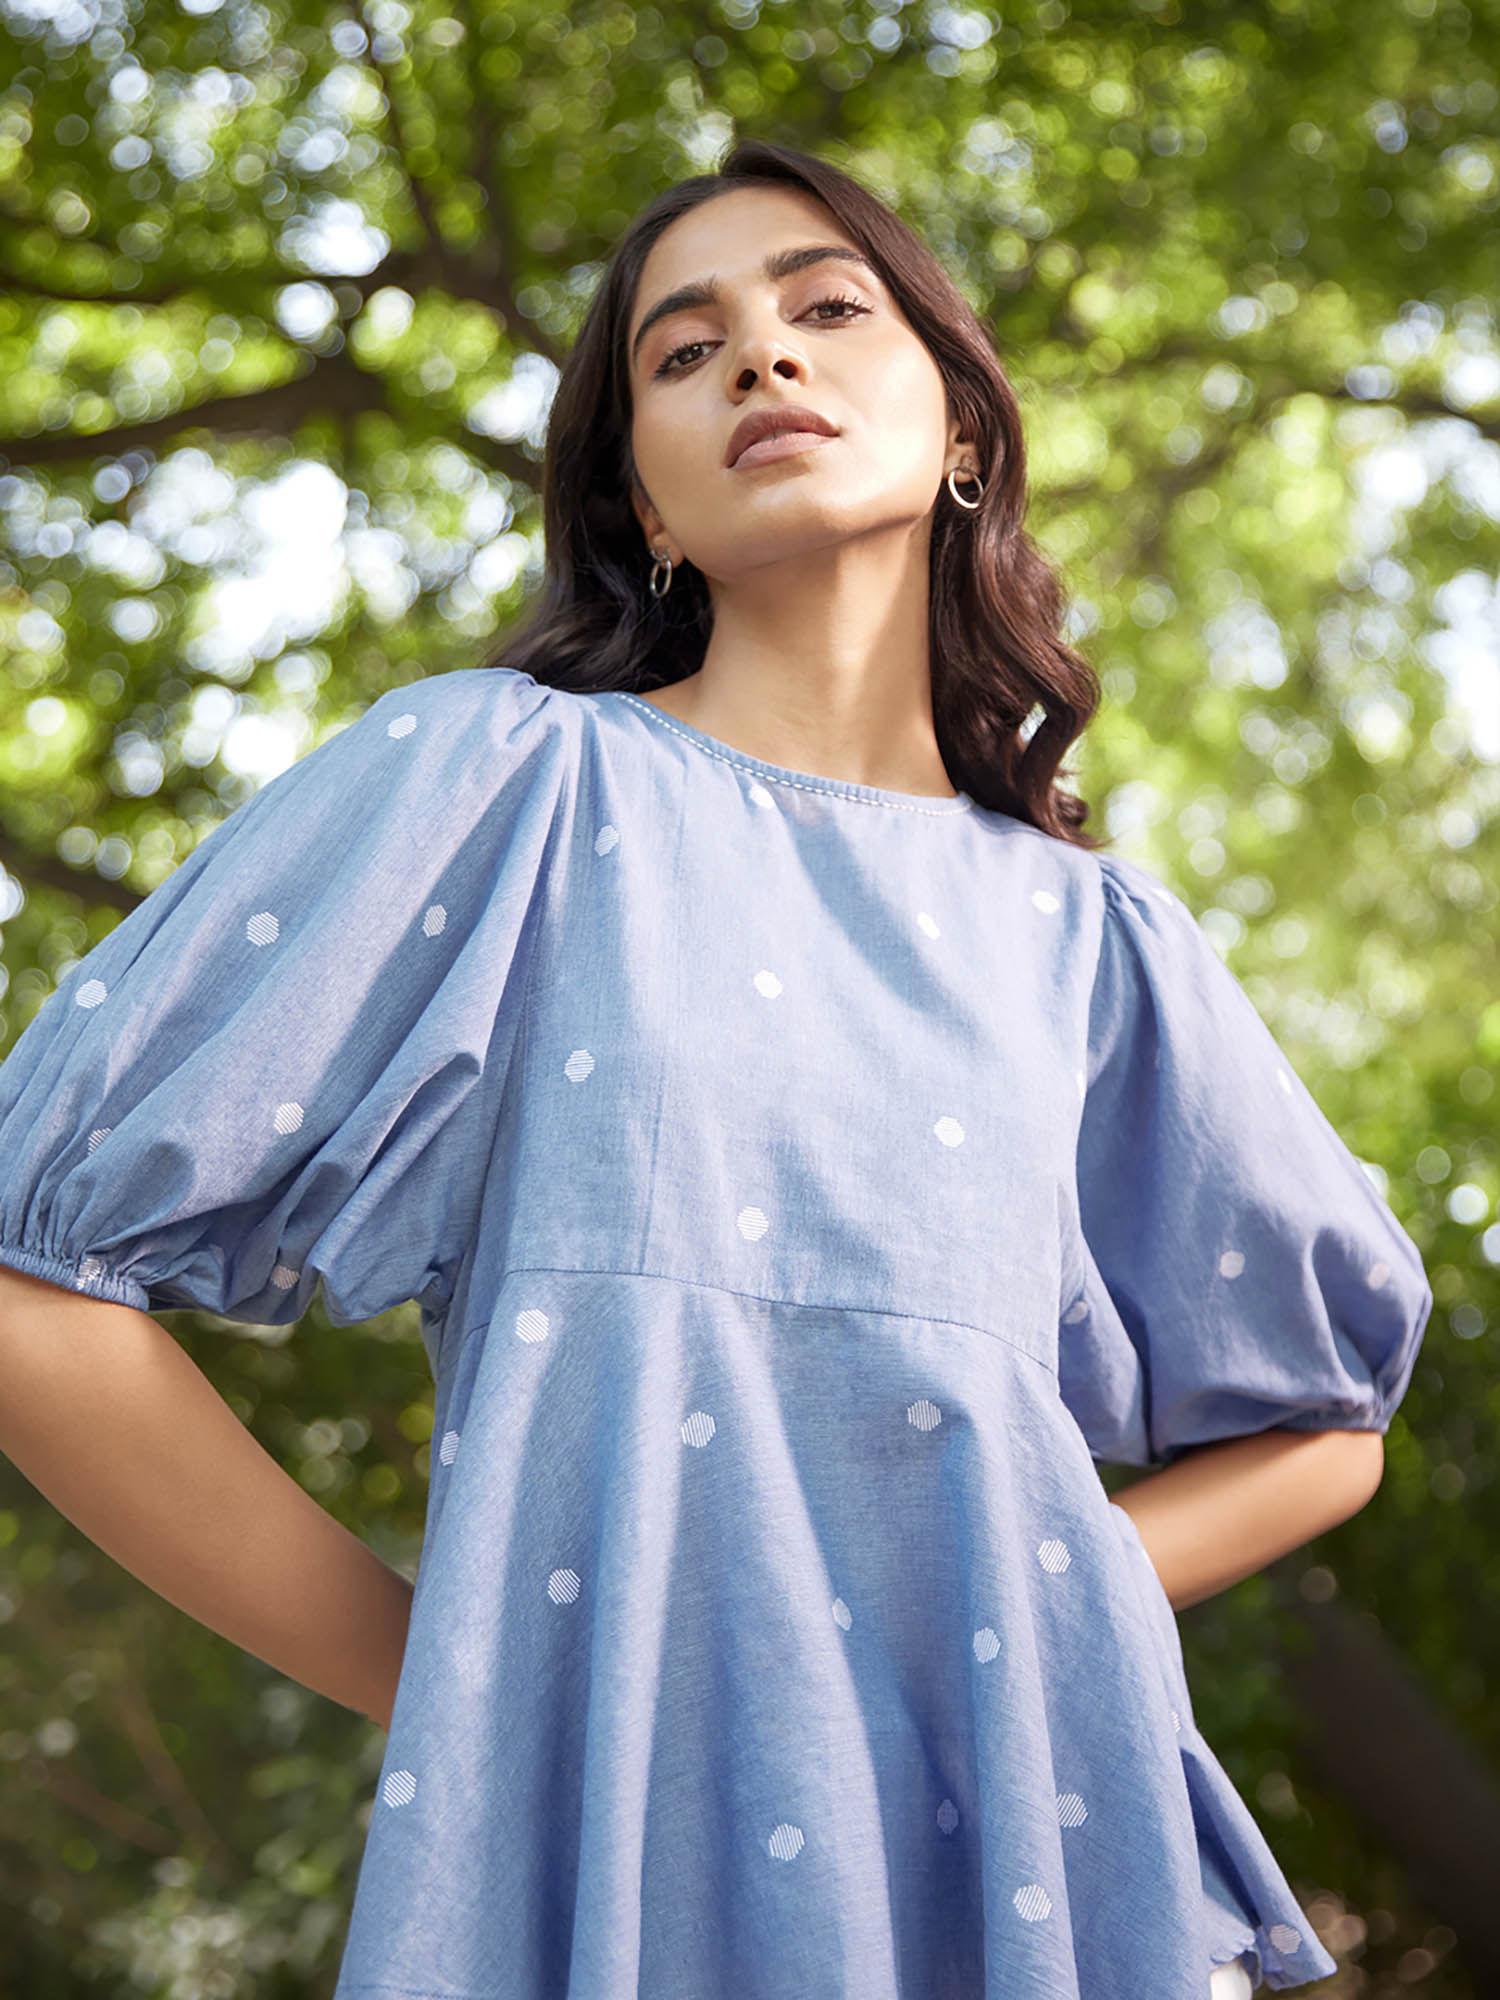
(103, 1411)
(1224, 1511)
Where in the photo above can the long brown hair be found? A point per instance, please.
(996, 605)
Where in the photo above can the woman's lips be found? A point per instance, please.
(780, 444)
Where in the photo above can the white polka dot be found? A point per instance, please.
(1053, 1555)
(562, 1586)
(752, 1223)
(923, 1415)
(1071, 1810)
(403, 725)
(1045, 900)
(91, 993)
(579, 1065)
(842, 1615)
(434, 919)
(698, 1429)
(1032, 1902)
(532, 1324)
(400, 1788)
(1231, 1263)
(767, 983)
(1077, 1311)
(607, 837)
(99, 1134)
(284, 1278)
(1377, 1275)
(448, 1449)
(986, 1643)
(288, 1117)
(949, 1131)
(1285, 1937)
(786, 1842)
(263, 928)
(947, 1816)
(928, 924)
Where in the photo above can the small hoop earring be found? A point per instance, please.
(954, 474)
(661, 562)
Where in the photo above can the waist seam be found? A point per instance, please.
(759, 1298)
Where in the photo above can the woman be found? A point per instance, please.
(810, 1151)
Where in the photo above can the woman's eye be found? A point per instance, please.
(667, 364)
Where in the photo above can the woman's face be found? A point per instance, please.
(765, 341)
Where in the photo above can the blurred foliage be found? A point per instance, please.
(284, 288)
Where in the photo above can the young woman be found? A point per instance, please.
(810, 1151)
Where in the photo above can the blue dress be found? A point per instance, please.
(803, 1184)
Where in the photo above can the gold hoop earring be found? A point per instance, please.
(661, 562)
(963, 471)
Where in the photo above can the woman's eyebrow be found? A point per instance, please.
(705, 291)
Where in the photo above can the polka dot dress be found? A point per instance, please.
(797, 1184)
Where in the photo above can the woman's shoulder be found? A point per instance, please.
(466, 728)
(1128, 885)
(1115, 888)
(466, 697)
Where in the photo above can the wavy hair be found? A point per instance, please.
(1008, 694)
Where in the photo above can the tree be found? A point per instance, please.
(285, 291)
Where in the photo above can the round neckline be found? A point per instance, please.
(782, 774)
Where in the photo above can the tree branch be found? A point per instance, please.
(1375, 1737)
(333, 387)
(330, 385)
(500, 258)
(31, 867)
(420, 198)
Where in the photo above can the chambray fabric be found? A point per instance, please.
(803, 1184)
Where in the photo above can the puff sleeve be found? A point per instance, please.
(281, 1067)
(1238, 1270)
